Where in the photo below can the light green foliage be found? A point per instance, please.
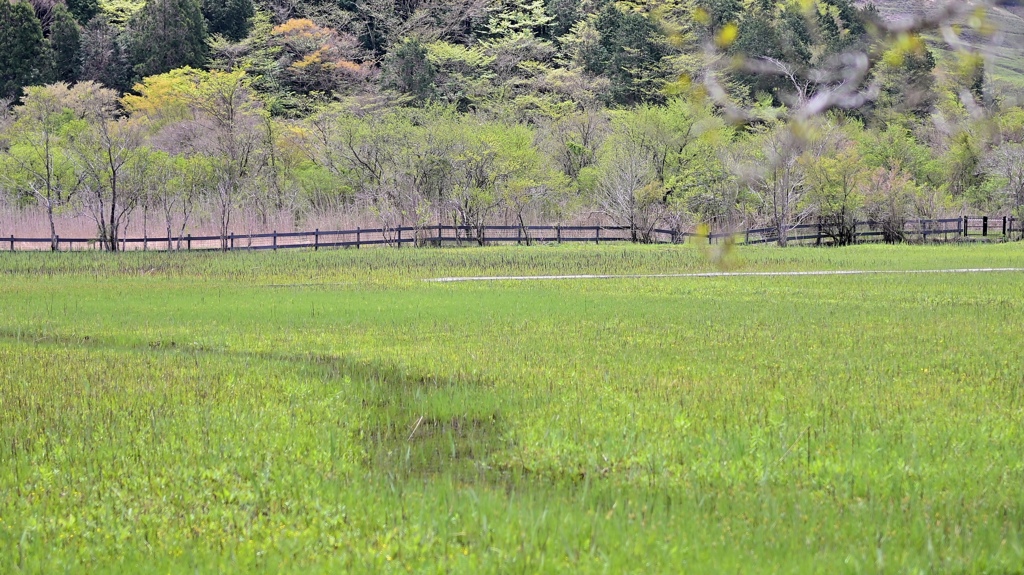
(890, 201)
(416, 166)
(895, 147)
(678, 154)
(83, 10)
(657, 158)
(963, 161)
(514, 18)
(260, 55)
(176, 184)
(329, 412)
(498, 165)
(836, 179)
(462, 75)
(38, 160)
(119, 12)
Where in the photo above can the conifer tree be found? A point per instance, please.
(84, 10)
(167, 34)
(65, 46)
(408, 70)
(21, 47)
(103, 55)
(229, 18)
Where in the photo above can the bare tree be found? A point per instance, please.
(835, 178)
(37, 148)
(1007, 163)
(226, 119)
(628, 193)
(178, 184)
(108, 156)
(891, 195)
(774, 174)
(575, 139)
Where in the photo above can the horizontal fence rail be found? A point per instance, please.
(437, 235)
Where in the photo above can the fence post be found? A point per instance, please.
(359, 233)
(558, 232)
(1004, 226)
(188, 246)
(275, 240)
(316, 239)
(440, 232)
(967, 225)
(399, 244)
(597, 235)
(12, 242)
(231, 246)
(984, 226)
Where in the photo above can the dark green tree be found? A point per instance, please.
(408, 70)
(759, 38)
(718, 13)
(229, 18)
(796, 38)
(566, 14)
(630, 54)
(21, 48)
(65, 45)
(103, 55)
(84, 10)
(167, 34)
(907, 80)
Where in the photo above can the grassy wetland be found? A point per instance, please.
(331, 412)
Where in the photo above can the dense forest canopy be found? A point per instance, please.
(639, 113)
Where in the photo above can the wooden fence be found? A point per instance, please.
(436, 235)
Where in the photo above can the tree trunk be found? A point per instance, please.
(53, 229)
(522, 226)
(170, 232)
(112, 232)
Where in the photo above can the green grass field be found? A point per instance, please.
(331, 412)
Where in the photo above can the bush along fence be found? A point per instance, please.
(822, 233)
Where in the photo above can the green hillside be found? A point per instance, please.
(1003, 45)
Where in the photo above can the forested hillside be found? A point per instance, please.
(186, 114)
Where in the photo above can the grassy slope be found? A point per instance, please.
(177, 413)
(1005, 49)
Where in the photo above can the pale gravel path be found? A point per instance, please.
(722, 275)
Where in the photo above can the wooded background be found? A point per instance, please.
(189, 116)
